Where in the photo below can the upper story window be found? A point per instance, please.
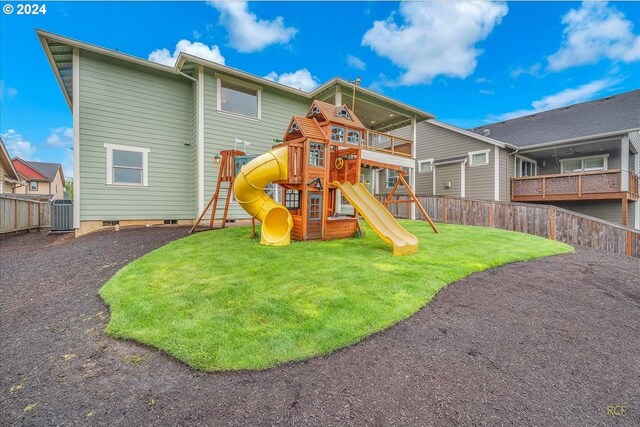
(337, 134)
(353, 137)
(525, 167)
(316, 154)
(344, 113)
(33, 185)
(584, 164)
(425, 165)
(127, 165)
(239, 98)
(479, 158)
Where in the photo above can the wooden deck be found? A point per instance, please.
(600, 185)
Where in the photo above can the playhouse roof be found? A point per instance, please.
(330, 112)
(309, 128)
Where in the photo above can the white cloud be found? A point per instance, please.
(17, 146)
(566, 97)
(7, 92)
(196, 34)
(201, 50)
(356, 63)
(248, 33)
(487, 91)
(533, 70)
(436, 38)
(301, 79)
(592, 32)
(481, 80)
(61, 138)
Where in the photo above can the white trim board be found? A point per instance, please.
(200, 156)
(75, 108)
(496, 174)
(470, 155)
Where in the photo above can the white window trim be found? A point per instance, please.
(421, 162)
(145, 165)
(605, 162)
(473, 153)
(257, 88)
(526, 159)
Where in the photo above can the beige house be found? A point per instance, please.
(43, 180)
(10, 177)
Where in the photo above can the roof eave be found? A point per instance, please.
(474, 135)
(579, 139)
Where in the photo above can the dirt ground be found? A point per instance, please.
(548, 342)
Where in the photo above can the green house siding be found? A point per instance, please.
(221, 129)
(126, 105)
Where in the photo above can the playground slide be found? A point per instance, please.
(248, 188)
(379, 218)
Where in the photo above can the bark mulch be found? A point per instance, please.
(547, 342)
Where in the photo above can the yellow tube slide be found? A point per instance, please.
(379, 218)
(248, 188)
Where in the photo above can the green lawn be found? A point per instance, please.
(218, 300)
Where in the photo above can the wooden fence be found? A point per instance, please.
(541, 220)
(23, 214)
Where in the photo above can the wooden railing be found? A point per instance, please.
(573, 186)
(379, 141)
(541, 220)
(23, 214)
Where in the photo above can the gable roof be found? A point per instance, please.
(38, 171)
(309, 128)
(618, 113)
(7, 163)
(330, 112)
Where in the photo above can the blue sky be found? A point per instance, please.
(467, 63)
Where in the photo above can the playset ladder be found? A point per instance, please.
(226, 173)
(415, 200)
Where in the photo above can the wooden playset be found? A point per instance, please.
(318, 159)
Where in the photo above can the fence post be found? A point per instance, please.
(552, 224)
(491, 214)
(628, 243)
(444, 209)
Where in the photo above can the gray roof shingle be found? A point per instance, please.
(47, 169)
(610, 114)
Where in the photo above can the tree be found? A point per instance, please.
(68, 188)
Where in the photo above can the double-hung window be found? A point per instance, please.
(127, 165)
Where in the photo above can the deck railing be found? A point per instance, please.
(573, 186)
(378, 141)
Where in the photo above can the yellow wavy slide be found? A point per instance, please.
(248, 188)
(379, 218)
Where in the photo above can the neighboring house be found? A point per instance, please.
(583, 157)
(146, 136)
(43, 180)
(10, 177)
